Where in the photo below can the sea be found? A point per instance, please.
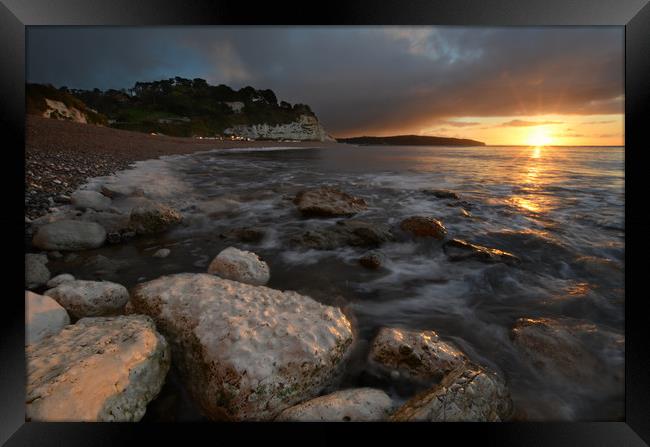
(559, 209)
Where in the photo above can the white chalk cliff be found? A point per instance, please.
(307, 128)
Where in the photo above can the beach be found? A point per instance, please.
(60, 155)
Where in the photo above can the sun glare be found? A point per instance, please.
(539, 137)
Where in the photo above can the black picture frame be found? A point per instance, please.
(634, 15)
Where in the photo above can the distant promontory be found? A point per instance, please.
(411, 140)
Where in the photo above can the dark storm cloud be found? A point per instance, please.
(370, 80)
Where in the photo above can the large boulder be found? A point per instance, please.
(83, 199)
(328, 202)
(422, 226)
(413, 354)
(246, 352)
(153, 218)
(99, 369)
(354, 233)
(352, 405)
(69, 235)
(43, 317)
(239, 265)
(90, 298)
(470, 393)
(36, 272)
(59, 279)
(568, 348)
(459, 250)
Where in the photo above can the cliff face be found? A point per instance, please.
(58, 110)
(306, 128)
(49, 102)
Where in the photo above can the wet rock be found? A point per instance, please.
(560, 347)
(112, 222)
(43, 317)
(59, 279)
(328, 202)
(417, 355)
(36, 272)
(83, 199)
(461, 203)
(62, 199)
(103, 266)
(365, 234)
(422, 226)
(117, 191)
(70, 257)
(118, 237)
(244, 234)
(372, 260)
(470, 393)
(354, 233)
(54, 255)
(154, 218)
(442, 193)
(99, 369)
(162, 253)
(220, 205)
(246, 352)
(238, 265)
(69, 235)
(352, 405)
(459, 250)
(90, 298)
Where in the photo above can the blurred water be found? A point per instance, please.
(560, 209)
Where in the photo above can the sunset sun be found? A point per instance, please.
(539, 137)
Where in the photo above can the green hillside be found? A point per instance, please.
(178, 106)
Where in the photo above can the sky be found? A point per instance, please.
(514, 85)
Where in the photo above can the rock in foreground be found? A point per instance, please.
(90, 298)
(239, 265)
(153, 218)
(354, 233)
(99, 369)
(372, 260)
(353, 405)
(467, 394)
(90, 199)
(328, 202)
(442, 193)
(245, 352)
(417, 355)
(69, 235)
(421, 226)
(43, 317)
(59, 279)
(558, 347)
(459, 250)
(36, 272)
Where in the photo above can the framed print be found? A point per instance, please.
(274, 221)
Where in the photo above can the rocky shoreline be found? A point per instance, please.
(245, 351)
(61, 155)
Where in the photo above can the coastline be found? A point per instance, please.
(61, 155)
